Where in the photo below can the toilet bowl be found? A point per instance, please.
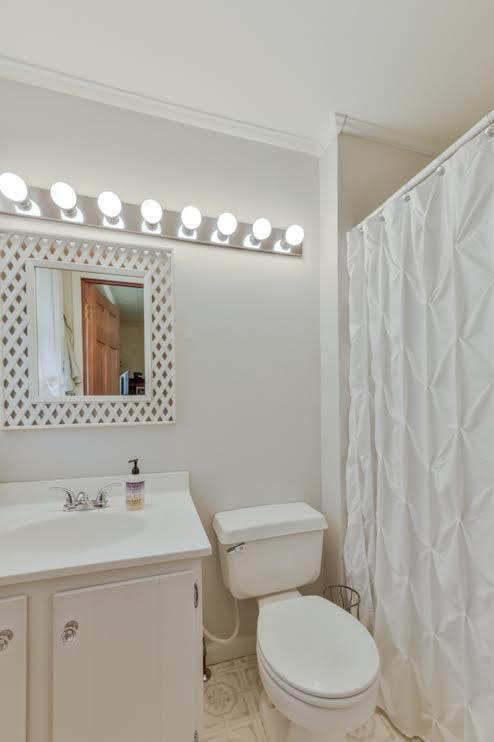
(319, 666)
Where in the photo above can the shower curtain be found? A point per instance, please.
(420, 471)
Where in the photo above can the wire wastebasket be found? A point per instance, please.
(344, 596)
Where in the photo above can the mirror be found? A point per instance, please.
(41, 357)
(90, 333)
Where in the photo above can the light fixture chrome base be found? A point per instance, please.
(130, 220)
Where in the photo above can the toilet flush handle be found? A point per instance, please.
(236, 548)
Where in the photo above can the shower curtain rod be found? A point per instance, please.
(437, 162)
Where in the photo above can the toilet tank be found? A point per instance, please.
(270, 548)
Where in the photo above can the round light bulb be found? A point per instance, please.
(13, 187)
(63, 195)
(191, 217)
(109, 204)
(151, 211)
(227, 223)
(261, 229)
(294, 235)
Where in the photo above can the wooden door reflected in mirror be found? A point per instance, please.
(90, 334)
(101, 333)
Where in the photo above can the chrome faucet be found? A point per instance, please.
(101, 500)
(70, 498)
(81, 501)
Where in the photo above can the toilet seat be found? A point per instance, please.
(316, 715)
(316, 651)
(314, 702)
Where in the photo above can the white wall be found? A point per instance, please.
(247, 324)
(251, 421)
(356, 176)
(328, 173)
(132, 340)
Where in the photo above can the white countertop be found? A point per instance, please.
(39, 540)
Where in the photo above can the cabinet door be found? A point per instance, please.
(125, 662)
(13, 675)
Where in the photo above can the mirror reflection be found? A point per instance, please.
(90, 332)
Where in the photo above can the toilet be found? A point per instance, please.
(319, 666)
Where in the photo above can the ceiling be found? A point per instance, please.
(424, 68)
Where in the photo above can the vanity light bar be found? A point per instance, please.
(60, 203)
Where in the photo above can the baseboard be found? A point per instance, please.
(239, 647)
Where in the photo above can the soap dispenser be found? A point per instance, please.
(134, 488)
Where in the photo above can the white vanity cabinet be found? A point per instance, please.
(13, 670)
(102, 611)
(106, 657)
(125, 661)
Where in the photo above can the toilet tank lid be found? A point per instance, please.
(267, 521)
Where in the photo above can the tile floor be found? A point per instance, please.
(231, 712)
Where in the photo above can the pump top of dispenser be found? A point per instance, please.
(135, 468)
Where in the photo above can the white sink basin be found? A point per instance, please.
(76, 532)
(39, 540)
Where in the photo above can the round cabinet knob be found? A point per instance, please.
(69, 632)
(6, 637)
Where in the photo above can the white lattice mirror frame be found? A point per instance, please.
(21, 407)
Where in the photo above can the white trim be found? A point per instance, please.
(429, 169)
(46, 77)
(343, 124)
(332, 132)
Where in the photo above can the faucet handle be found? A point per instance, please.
(70, 498)
(101, 500)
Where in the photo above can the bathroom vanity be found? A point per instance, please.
(100, 614)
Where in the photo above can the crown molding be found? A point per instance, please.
(45, 77)
(343, 124)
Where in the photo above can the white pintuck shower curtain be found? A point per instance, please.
(420, 472)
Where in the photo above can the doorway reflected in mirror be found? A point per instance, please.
(90, 334)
